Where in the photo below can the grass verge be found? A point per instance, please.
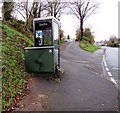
(88, 47)
(14, 77)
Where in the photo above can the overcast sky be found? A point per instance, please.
(103, 24)
(0, 9)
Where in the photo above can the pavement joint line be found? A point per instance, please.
(78, 61)
(115, 68)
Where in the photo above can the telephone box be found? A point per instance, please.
(45, 56)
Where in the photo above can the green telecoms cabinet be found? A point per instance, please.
(45, 56)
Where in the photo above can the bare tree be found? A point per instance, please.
(39, 7)
(83, 9)
(56, 8)
(22, 8)
(29, 10)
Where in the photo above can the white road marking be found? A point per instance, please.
(107, 69)
(113, 80)
(104, 60)
(105, 64)
(109, 74)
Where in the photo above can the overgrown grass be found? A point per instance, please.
(85, 45)
(14, 77)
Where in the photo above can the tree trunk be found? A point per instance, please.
(81, 29)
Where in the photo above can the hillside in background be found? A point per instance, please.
(14, 77)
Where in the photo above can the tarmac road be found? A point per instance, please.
(83, 87)
(111, 58)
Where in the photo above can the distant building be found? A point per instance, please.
(102, 43)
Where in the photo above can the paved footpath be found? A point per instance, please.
(83, 87)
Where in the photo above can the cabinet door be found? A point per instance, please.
(47, 60)
(39, 60)
(31, 57)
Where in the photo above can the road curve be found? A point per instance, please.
(83, 87)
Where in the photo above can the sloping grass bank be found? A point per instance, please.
(87, 46)
(14, 77)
